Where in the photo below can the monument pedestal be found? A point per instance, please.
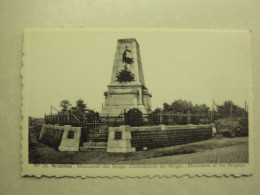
(120, 98)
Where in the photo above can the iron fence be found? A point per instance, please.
(62, 119)
(147, 119)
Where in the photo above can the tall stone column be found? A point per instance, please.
(126, 88)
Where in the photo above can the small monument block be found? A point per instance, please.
(119, 139)
(70, 138)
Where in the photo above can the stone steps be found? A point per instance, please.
(93, 146)
(91, 143)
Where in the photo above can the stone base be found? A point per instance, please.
(119, 139)
(120, 98)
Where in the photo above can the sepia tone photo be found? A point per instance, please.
(137, 99)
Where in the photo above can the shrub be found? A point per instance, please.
(243, 129)
(133, 117)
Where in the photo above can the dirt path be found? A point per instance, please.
(229, 154)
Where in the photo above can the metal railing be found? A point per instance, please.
(147, 119)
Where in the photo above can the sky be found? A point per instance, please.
(192, 65)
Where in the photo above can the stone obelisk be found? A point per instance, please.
(127, 87)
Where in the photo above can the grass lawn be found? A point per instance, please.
(216, 150)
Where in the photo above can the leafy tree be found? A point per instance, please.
(79, 109)
(166, 107)
(92, 116)
(203, 108)
(65, 105)
(133, 117)
(157, 111)
(183, 106)
(80, 105)
(229, 109)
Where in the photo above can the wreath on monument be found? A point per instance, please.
(125, 75)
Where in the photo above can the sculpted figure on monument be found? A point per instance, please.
(126, 59)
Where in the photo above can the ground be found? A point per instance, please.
(216, 150)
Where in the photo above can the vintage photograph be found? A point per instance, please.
(137, 97)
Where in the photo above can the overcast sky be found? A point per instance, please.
(197, 66)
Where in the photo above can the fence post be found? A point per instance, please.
(124, 116)
(83, 127)
(161, 118)
(188, 117)
(179, 118)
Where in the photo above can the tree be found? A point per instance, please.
(79, 110)
(65, 105)
(184, 106)
(181, 106)
(166, 107)
(229, 109)
(203, 108)
(157, 111)
(92, 116)
(133, 117)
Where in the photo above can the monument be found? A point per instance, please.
(127, 87)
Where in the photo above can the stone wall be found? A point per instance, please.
(129, 139)
(164, 136)
(64, 138)
(51, 135)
